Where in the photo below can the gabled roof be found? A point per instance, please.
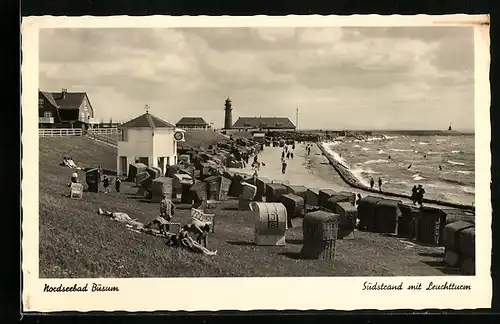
(264, 122)
(147, 120)
(49, 98)
(72, 100)
(198, 121)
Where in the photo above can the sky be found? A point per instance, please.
(339, 78)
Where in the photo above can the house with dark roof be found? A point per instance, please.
(192, 123)
(64, 109)
(264, 124)
(149, 140)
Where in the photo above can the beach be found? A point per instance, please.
(443, 165)
(314, 171)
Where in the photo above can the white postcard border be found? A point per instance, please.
(304, 293)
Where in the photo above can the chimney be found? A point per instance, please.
(63, 93)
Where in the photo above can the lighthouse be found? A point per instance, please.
(228, 119)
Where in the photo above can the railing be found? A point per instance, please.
(53, 132)
(45, 120)
(103, 137)
(105, 131)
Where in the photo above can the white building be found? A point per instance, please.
(147, 139)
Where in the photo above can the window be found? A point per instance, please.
(40, 103)
(123, 135)
(47, 114)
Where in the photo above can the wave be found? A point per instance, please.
(423, 143)
(455, 152)
(381, 152)
(452, 181)
(417, 177)
(357, 172)
(356, 145)
(335, 155)
(375, 161)
(401, 150)
(432, 153)
(467, 189)
(441, 140)
(365, 149)
(465, 172)
(455, 163)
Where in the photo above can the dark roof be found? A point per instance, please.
(266, 122)
(72, 100)
(49, 97)
(147, 120)
(197, 121)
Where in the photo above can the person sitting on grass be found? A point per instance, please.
(161, 223)
(74, 179)
(187, 242)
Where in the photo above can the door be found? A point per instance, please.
(161, 164)
(168, 160)
(123, 165)
(143, 160)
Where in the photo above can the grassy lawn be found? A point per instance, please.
(76, 242)
(201, 138)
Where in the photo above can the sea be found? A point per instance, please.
(443, 165)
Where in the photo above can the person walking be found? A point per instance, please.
(283, 166)
(414, 193)
(372, 183)
(118, 183)
(358, 199)
(379, 184)
(420, 196)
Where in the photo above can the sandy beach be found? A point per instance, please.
(312, 171)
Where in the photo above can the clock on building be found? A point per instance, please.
(179, 136)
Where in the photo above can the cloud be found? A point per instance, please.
(334, 74)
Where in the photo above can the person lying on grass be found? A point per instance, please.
(187, 242)
(201, 229)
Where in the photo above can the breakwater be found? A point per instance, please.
(353, 182)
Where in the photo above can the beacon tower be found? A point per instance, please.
(228, 119)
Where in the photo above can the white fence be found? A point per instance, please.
(105, 131)
(54, 132)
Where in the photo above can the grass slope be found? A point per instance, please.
(76, 242)
(201, 138)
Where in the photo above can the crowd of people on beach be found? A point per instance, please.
(287, 153)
